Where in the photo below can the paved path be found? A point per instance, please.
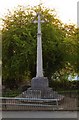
(39, 114)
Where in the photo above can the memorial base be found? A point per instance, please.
(40, 89)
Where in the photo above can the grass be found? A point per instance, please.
(10, 93)
(72, 91)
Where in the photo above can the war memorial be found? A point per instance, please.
(39, 96)
(39, 84)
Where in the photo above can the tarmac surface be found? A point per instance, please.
(39, 114)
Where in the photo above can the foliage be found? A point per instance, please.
(11, 93)
(65, 85)
(19, 45)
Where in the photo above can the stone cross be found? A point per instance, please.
(39, 67)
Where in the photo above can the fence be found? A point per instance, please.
(67, 103)
(29, 104)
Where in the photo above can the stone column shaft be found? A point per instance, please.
(39, 50)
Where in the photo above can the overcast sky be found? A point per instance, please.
(66, 9)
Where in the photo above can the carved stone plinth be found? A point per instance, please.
(39, 83)
(40, 89)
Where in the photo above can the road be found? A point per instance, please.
(39, 114)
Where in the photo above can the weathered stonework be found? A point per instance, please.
(40, 89)
(39, 83)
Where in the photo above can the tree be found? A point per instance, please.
(77, 50)
(71, 44)
(19, 45)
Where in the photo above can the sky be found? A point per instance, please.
(66, 9)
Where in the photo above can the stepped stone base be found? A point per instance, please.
(39, 89)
